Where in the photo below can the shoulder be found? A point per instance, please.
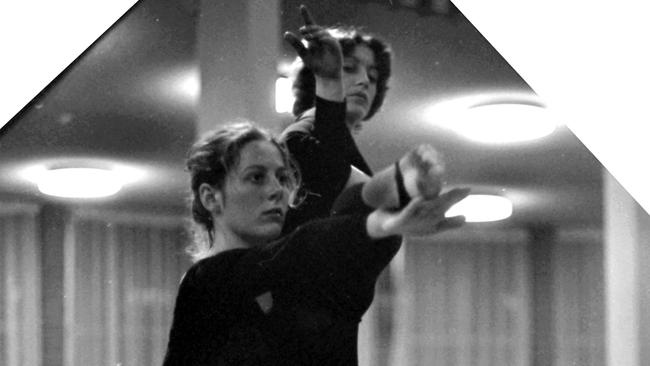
(304, 124)
(214, 267)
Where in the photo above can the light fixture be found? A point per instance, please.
(494, 119)
(81, 181)
(504, 123)
(176, 85)
(189, 84)
(283, 95)
(482, 208)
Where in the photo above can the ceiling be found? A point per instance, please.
(116, 105)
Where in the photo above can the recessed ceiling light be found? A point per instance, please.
(482, 208)
(79, 182)
(504, 123)
(491, 119)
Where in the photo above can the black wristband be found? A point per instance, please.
(402, 194)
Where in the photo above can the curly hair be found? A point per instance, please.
(304, 84)
(209, 161)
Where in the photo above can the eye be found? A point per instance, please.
(350, 66)
(256, 178)
(373, 75)
(284, 179)
(350, 69)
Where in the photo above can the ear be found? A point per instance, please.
(211, 198)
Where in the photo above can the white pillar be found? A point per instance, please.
(627, 277)
(238, 46)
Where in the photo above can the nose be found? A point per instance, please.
(362, 78)
(275, 189)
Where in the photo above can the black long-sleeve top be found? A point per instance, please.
(322, 145)
(321, 280)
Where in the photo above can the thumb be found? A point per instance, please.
(451, 223)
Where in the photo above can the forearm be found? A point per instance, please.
(322, 247)
(351, 201)
(334, 135)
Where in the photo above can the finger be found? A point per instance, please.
(319, 36)
(307, 29)
(414, 205)
(296, 43)
(452, 197)
(435, 206)
(430, 207)
(451, 223)
(306, 17)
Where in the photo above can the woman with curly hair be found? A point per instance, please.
(256, 297)
(341, 81)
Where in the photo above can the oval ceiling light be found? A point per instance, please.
(504, 123)
(79, 182)
(494, 118)
(482, 208)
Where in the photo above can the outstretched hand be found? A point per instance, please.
(322, 54)
(423, 216)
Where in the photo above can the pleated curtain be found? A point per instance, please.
(453, 299)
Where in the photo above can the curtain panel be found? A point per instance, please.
(20, 295)
(125, 272)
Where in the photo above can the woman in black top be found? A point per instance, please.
(341, 81)
(260, 299)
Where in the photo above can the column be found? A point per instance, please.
(53, 222)
(238, 47)
(627, 276)
(542, 337)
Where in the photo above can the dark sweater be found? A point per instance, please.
(321, 279)
(322, 145)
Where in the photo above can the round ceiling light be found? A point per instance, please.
(79, 182)
(504, 123)
(81, 177)
(494, 118)
(482, 208)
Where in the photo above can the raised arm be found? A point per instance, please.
(320, 141)
(323, 56)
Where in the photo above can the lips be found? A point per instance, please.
(360, 95)
(274, 213)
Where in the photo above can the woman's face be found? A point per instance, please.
(256, 194)
(359, 82)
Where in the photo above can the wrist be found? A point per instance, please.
(375, 225)
(329, 89)
(409, 186)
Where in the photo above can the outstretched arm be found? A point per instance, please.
(405, 199)
(357, 224)
(421, 217)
